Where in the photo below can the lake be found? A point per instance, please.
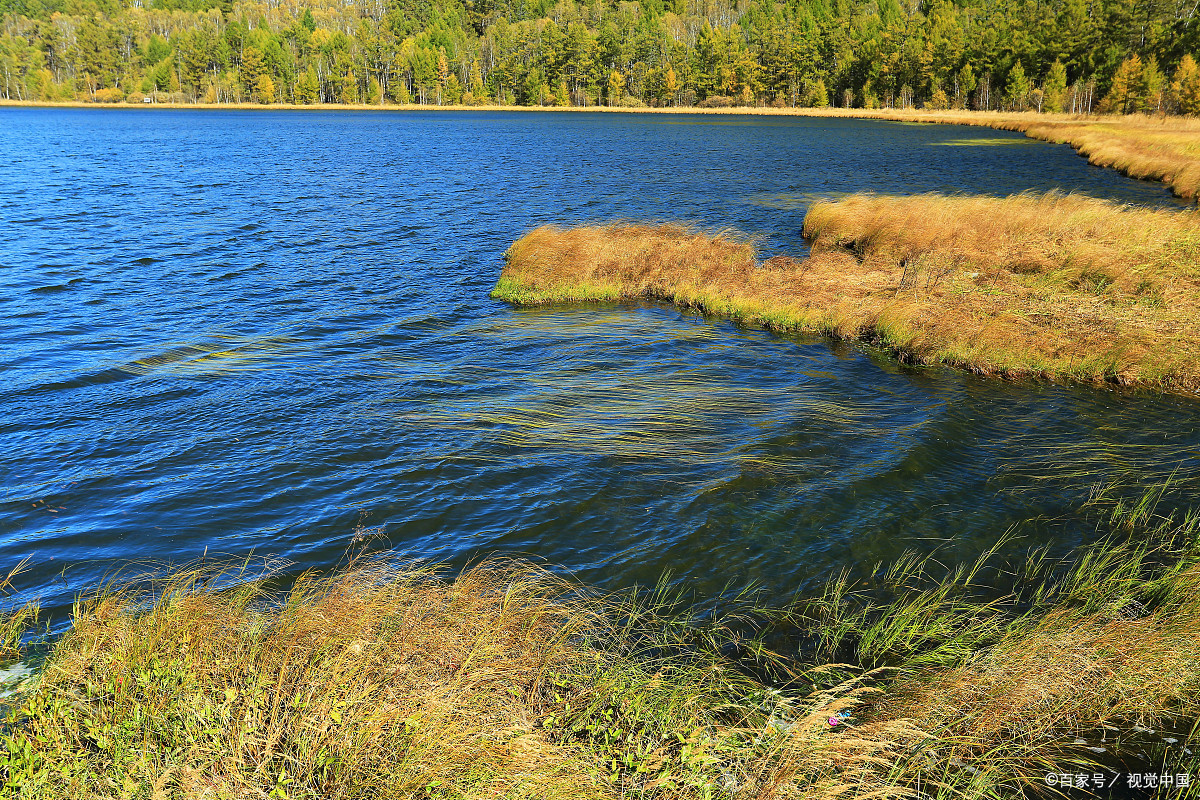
(269, 332)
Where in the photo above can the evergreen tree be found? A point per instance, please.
(1151, 88)
(264, 89)
(1016, 93)
(307, 87)
(616, 88)
(964, 84)
(941, 53)
(816, 95)
(1054, 89)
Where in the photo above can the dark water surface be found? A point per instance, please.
(258, 331)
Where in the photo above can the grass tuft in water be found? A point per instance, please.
(1054, 286)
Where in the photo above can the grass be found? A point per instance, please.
(16, 621)
(1149, 147)
(389, 680)
(1055, 286)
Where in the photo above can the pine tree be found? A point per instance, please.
(350, 88)
(443, 73)
(252, 69)
(1016, 94)
(1151, 88)
(264, 89)
(616, 88)
(815, 94)
(477, 90)
(964, 84)
(1054, 90)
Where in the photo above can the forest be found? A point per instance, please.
(1077, 56)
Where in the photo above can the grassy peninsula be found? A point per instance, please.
(1144, 146)
(387, 680)
(1056, 286)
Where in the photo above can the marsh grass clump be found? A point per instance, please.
(1057, 286)
(622, 260)
(16, 621)
(1006, 685)
(397, 681)
(390, 680)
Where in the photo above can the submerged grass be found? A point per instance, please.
(1057, 286)
(386, 680)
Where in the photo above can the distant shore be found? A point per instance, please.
(1156, 148)
(951, 116)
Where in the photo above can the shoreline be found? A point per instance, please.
(1162, 149)
(1060, 287)
(505, 680)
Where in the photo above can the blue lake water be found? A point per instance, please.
(263, 331)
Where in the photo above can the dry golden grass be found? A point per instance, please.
(387, 681)
(391, 682)
(1063, 287)
(1150, 147)
(1068, 672)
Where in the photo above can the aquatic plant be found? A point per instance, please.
(1051, 285)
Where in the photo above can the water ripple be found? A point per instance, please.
(260, 331)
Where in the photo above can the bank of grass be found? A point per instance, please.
(388, 681)
(1149, 147)
(1055, 286)
(381, 681)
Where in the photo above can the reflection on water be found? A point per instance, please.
(276, 329)
(985, 141)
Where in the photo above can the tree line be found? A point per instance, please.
(1078, 56)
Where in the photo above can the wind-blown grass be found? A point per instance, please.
(385, 680)
(1063, 287)
(388, 681)
(15, 622)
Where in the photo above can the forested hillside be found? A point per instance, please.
(1049, 55)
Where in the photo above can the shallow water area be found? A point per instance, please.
(261, 331)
